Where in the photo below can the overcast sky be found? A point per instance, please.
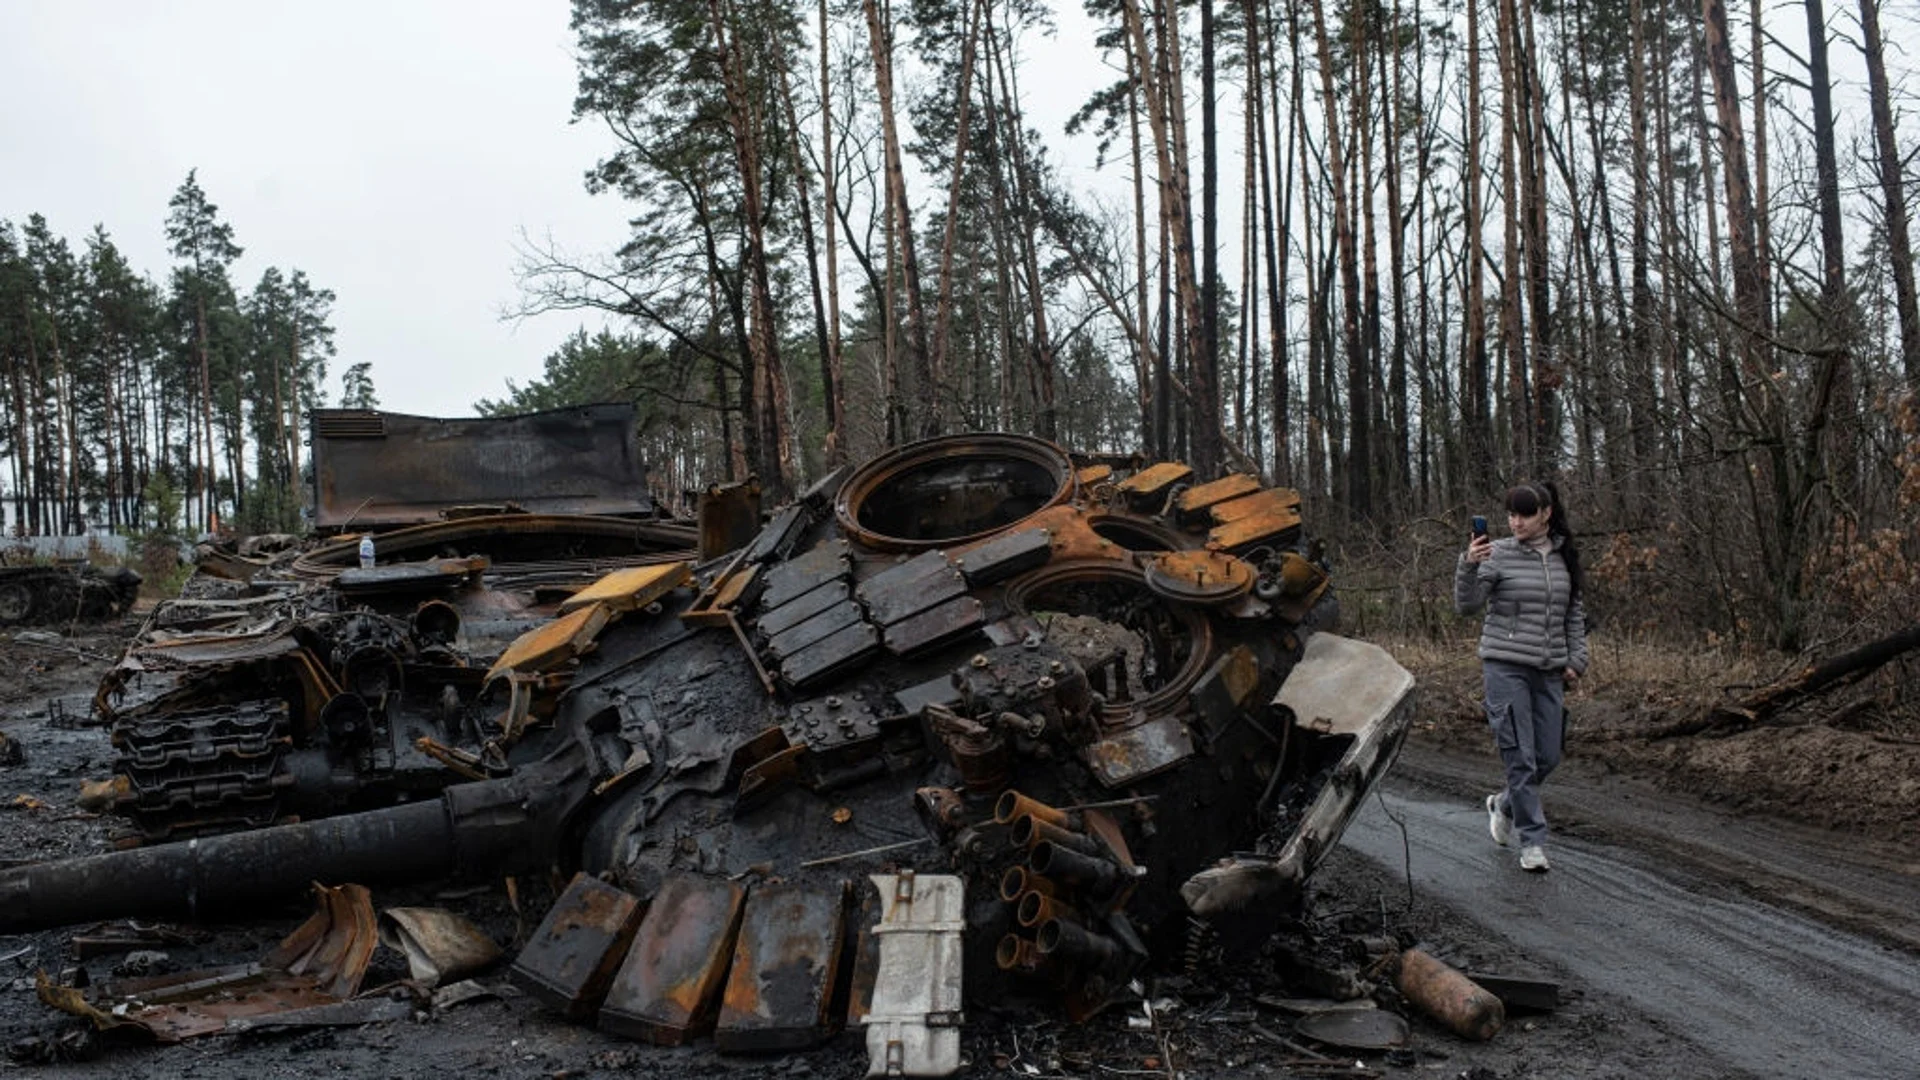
(394, 151)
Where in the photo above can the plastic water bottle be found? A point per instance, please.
(366, 552)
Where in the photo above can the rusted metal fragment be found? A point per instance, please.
(668, 989)
(380, 469)
(197, 651)
(913, 586)
(818, 628)
(439, 945)
(1150, 485)
(729, 516)
(1277, 524)
(827, 561)
(1257, 503)
(1139, 752)
(1004, 556)
(430, 575)
(1094, 474)
(366, 1010)
(804, 607)
(198, 1002)
(913, 1027)
(630, 589)
(335, 944)
(1222, 693)
(934, 626)
(949, 492)
(864, 916)
(569, 962)
(1201, 497)
(785, 963)
(832, 654)
(552, 644)
(1208, 578)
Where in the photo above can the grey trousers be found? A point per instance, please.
(1525, 709)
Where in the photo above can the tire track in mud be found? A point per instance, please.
(1759, 987)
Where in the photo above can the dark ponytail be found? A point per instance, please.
(1526, 499)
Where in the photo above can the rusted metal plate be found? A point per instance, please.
(569, 962)
(632, 588)
(729, 516)
(784, 967)
(1223, 692)
(1094, 474)
(1203, 496)
(1267, 526)
(818, 628)
(1139, 751)
(382, 469)
(935, 625)
(551, 644)
(1207, 578)
(1151, 483)
(849, 646)
(1004, 556)
(866, 959)
(667, 990)
(730, 590)
(913, 586)
(828, 561)
(804, 607)
(1256, 503)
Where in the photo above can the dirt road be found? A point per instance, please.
(1773, 950)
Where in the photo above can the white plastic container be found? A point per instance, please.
(913, 1026)
(366, 552)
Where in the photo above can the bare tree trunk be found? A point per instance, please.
(1359, 470)
(1203, 378)
(943, 320)
(803, 200)
(1475, 390)
(776, 465)
(1392, 85)
(1842, 463)
(882, 42)
(831, 373)
(1899, 247)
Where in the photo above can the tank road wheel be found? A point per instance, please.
(16, 602)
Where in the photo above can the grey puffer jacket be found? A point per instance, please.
(1529, 618)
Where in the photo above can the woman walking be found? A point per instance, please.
(1533, 644)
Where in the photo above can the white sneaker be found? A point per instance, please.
(1499, 824)
(1533, 857)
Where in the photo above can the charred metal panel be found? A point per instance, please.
(913, 586)
(668, 988)
(399, 579)
(832, 722)
(817, 661)
(729, 516)
(804, 607)
(934, 626)
(381, 469)
(1222, 693)
(828, 561)
(785, 964)
(939, 690)
(816, 629)
(1139, 752)
(570, 960)
(777, 539)
(1005, 556)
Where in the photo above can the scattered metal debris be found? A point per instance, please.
(1443, 993)
(1102, 704)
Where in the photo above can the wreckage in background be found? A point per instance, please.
(65, 592)
(1058, 710)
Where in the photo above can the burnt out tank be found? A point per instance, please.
(67, 592)
(1103, 699)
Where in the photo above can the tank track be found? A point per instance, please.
(203, 771)
(52, 594)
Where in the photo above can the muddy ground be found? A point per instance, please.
(1828, 787)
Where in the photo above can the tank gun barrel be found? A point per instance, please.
(487, 829)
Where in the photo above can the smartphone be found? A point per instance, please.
(1479, 526)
